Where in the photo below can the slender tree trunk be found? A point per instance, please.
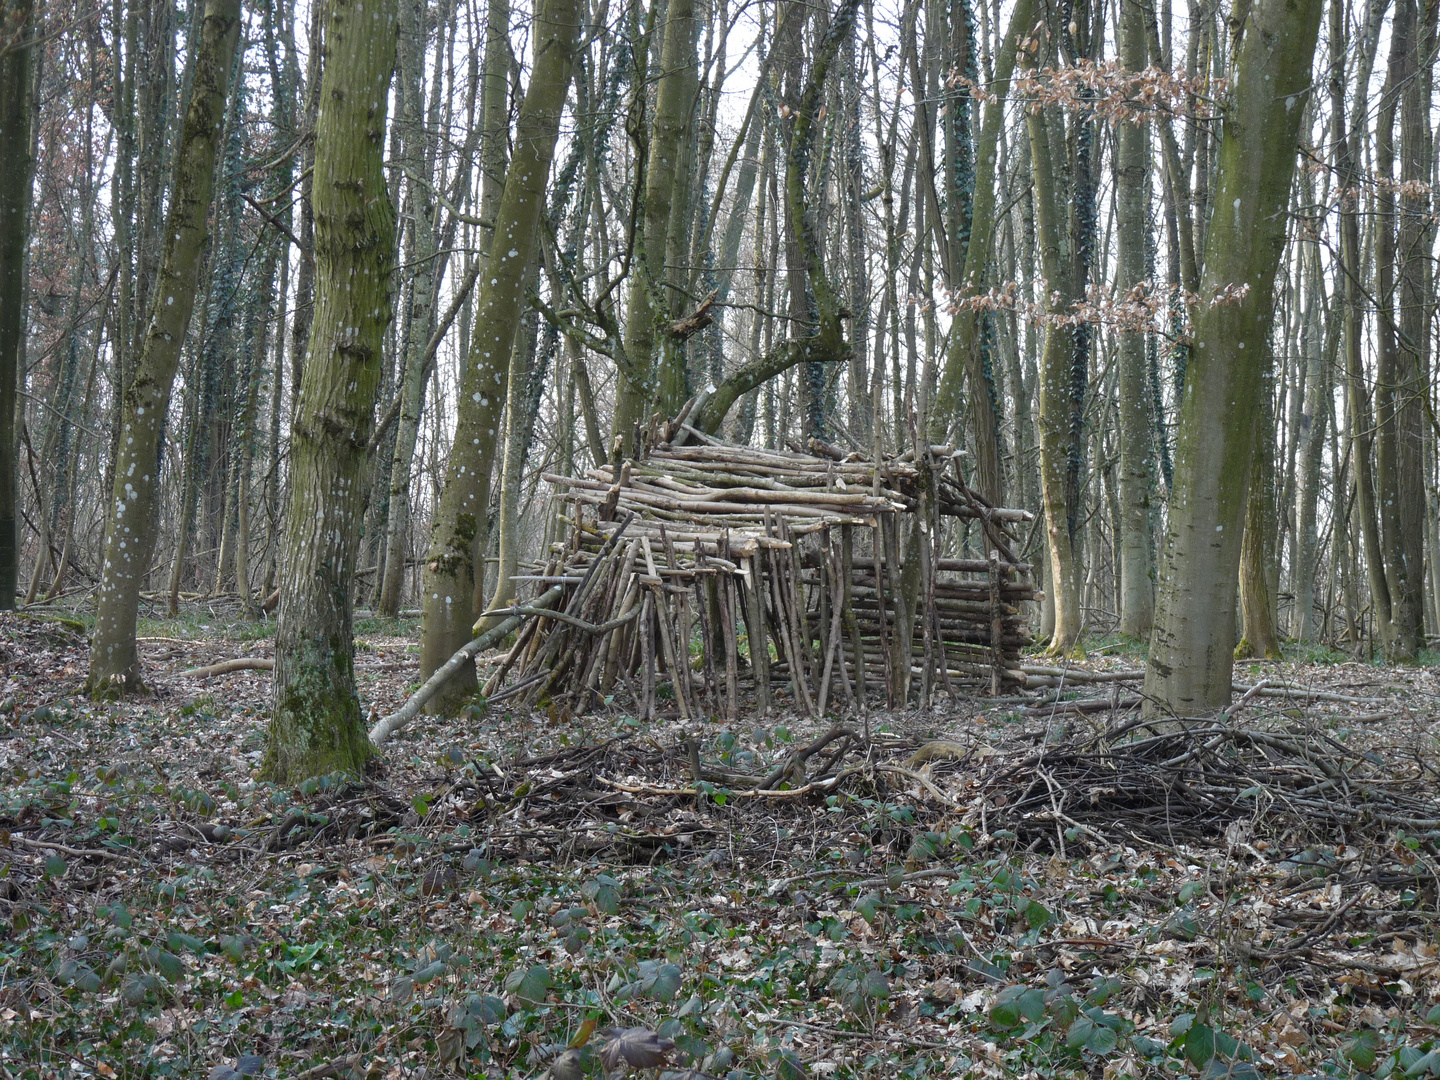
(1405, 549)
(1192, 649)
(448, 591)
(316, 722)
(130, 528)
(17, 107)
(1311, 435)
(1137, 472)
(964, 357)
(410, 106)
(1057, 360)
(643, 383)
(1260, 636)
(519, 431)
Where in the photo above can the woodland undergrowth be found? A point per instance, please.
(1040, 888)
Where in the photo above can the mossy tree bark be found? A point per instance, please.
(315, 726)
(130, 525)
(1192, 648)
(644, 382)
(16, 166)
(1358, 418)
(450, 567)
(1402, 249)
(825, 344)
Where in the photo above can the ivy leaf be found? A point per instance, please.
(667, 983)
(1235, 1070)
(529, 985)
(133, 989)
(788, 1066)
(488, 1008)
(1102, 1040)
(1032, 1004)
(430, 972)
(1080, 1032)
(165, 962)
(1005, 1013)
(1200, 1045)
(179, 942)
(1361, 1050)
(638, 1047)
(874, 985)
(1037, 915)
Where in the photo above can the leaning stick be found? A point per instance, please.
(589, 628)
(388, 725)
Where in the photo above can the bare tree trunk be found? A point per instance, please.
(450, 568)
(1192, 649)
(1260, 635)
(17, 107)
(645, 380)
(410, 106)
(1057, 359)
(1311, 435)
(130, 530)
(1137, 472)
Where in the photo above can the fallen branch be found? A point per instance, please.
(755, 793)
(244, 663)
(1078, 675)
(896, 770)
(76, 853)
(1273, 690)
(388, 725)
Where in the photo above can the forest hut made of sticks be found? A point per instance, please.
(699, 573)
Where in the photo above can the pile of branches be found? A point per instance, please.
(1183, 780)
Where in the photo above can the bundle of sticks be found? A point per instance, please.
(716, 565)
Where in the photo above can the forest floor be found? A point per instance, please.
(1047, 891)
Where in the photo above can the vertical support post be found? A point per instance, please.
(727, 627)
(759, 642)
(847, 577)
(997, 625)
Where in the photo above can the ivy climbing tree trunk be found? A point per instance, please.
(315, 725)
(1192, 648)
(16, 109)
(447, 595)
(130, 521)
(964, 359)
